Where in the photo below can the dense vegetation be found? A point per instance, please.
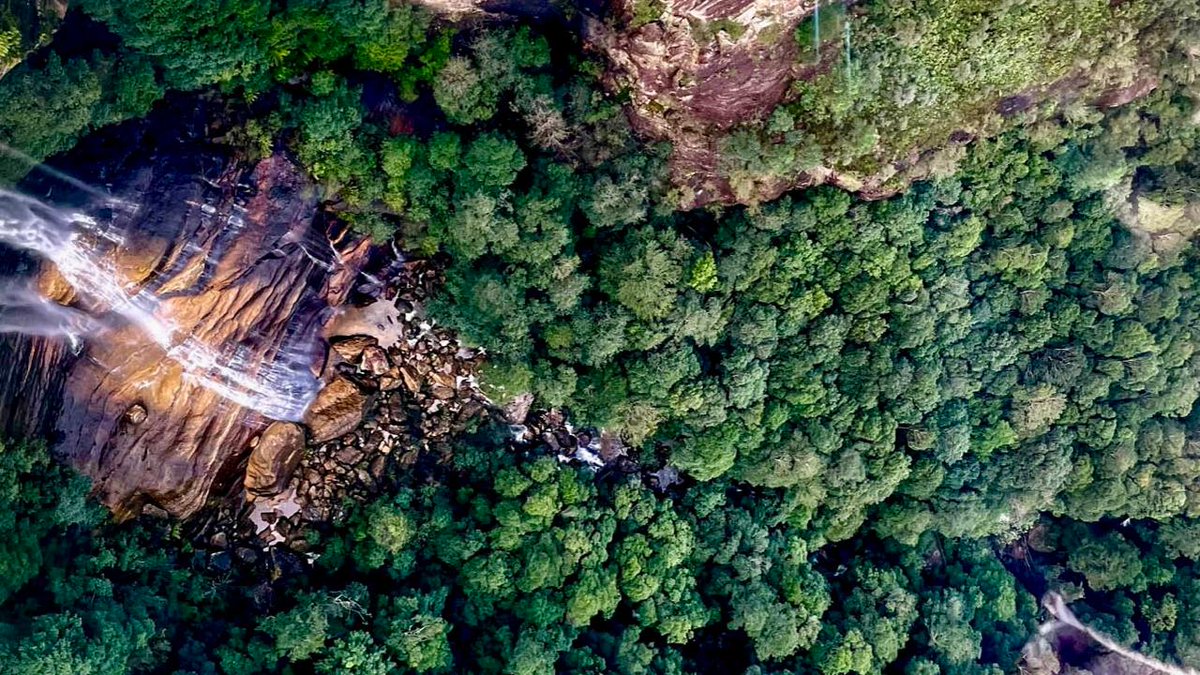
(891, 77)
(507, 565)
(868, 399)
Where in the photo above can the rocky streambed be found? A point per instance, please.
(401, 390)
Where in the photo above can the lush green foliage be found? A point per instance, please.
(47, 109)
(895, 78)
(984, 347)
(856, 392)
(507, 565)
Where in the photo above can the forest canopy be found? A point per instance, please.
(873, 404)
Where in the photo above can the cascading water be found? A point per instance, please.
(281, 388)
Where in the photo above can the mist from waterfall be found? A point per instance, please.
(280, 388)
(23, 310)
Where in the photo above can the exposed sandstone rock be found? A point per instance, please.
(136, 414)
(219, 243)
(351, 348)
(274, 458)
(380, 320)
(31, 381)
(221, 288)
(611, 447)
(700, 68)
(518, 409)
(1125, 95)
(375, 361)
(693, 70)
(412, 381)
(391, 380)
(337, 411)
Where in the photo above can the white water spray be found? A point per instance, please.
(280, 389)
(23, 310)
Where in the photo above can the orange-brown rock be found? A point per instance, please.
(274, 458)
(375, 361)
(230, 275)
(351, 348)
(339, 408)
(691, 72)
(694, 71)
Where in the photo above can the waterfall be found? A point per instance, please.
(280, 388)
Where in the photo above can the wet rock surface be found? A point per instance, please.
(426, 397)
(235, 257)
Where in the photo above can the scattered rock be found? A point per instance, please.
(378, 466)
(611, 447)
(154, 511)
(136, 414)
(274, 459)
(518, 409)
(665, 477)
(404, 400)
(350, 348)
(349, 456)
(379, 319)
(442, 378)
(338, 410)
(391, 381)
(412, 381)
(375, 361)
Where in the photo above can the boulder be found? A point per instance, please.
(375, 361)
(274, 458)
(136, 414)
(338, 409)
(351, 348)
(518, 409)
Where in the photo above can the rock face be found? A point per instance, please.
(694, 70)
(274, 458)
(233, 255)
(697, 68)
(31, 380)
